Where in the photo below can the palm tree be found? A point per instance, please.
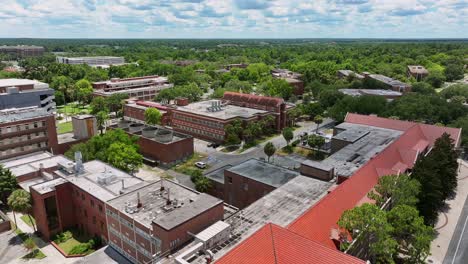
(101, 118)
(20, 201)
(318, 119)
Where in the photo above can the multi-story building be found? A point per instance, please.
(387, 94)
(66, 194)
(417, 71)
(141, 88)
(390, 83)
(17, 93)
(26, 130)
(98, 61)
(156, 219)
(135, 111)
(313, 236)
(348, 73)
(22, 51)
(292, 78)
(158, 144)
(245, 183)
(208, 119)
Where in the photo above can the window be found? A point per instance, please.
(102, 225)
(91, 202)
(85, 213)
(35, 125)
(230, 179)
(246, 187)
(82, 197)
(100, 208)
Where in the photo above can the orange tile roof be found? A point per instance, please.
(273, 244)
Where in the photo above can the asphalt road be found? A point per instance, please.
(220, 159)
(457, 252)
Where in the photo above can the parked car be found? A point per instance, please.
(213, 145)
(200, 165)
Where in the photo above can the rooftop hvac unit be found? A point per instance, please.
(106, 177)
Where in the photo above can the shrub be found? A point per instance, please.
(29, 243)
(195, 175)
(80, 249)
(295, 142)
(62, 237)
(288, 149)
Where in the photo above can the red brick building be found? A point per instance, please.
(159, 144)
(417, 71)
(26, 130)
(243, 184)
(208, 119)
(141, 88)
(155, 220)
(292, 78)
(135, 111)
(66, 195)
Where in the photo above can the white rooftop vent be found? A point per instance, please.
(106, 177)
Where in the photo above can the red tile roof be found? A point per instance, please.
(253, 99)
(309, 237)
(152, 104)
(317, 223)
(273, 244)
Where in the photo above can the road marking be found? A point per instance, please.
(459, 241)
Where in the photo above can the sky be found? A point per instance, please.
(234, 18)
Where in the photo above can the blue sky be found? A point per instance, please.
(234, 18)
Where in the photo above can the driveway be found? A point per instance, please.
(11, 247)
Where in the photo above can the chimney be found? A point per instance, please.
(168, 202)
(162, 186)
(139, 204)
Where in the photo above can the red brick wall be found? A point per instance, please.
(66, 208)
(39, 212)
(194, 226)
(20, 87)
(139, 114)
(236, 195)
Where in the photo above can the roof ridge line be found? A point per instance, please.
(273, 243)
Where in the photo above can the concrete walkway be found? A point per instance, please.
(52, 254)
(447, 221)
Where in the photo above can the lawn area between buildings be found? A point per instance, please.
(65, 127)
(188, 167)
(29, 220)
(73, 242)
(73, 109)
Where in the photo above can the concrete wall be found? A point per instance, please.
(316, 173)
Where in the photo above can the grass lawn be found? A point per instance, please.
(28, 219)
(73, 109)
(76, 239)
(35, 254)
(63, 128)
(189, 166)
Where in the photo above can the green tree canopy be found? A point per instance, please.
(152, 116)
(20, 201)
(288, 134)
(269, 150)
(7, 183)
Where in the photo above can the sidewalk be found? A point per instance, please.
(447, 222)
(52, 254)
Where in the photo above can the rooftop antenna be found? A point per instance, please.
(162, 185)
(139, 204)
(168, 202)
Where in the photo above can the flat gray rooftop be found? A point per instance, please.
(16, 82)
(29, 163)
(281, 206)
(378, 92)
(365, 143)
(264, 172)
(226, 112)
(17, 114)
(118, 181)
(218, 175)
(185, 204)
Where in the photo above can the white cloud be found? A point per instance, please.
(234, 18)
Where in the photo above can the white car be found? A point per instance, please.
(200, 164)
